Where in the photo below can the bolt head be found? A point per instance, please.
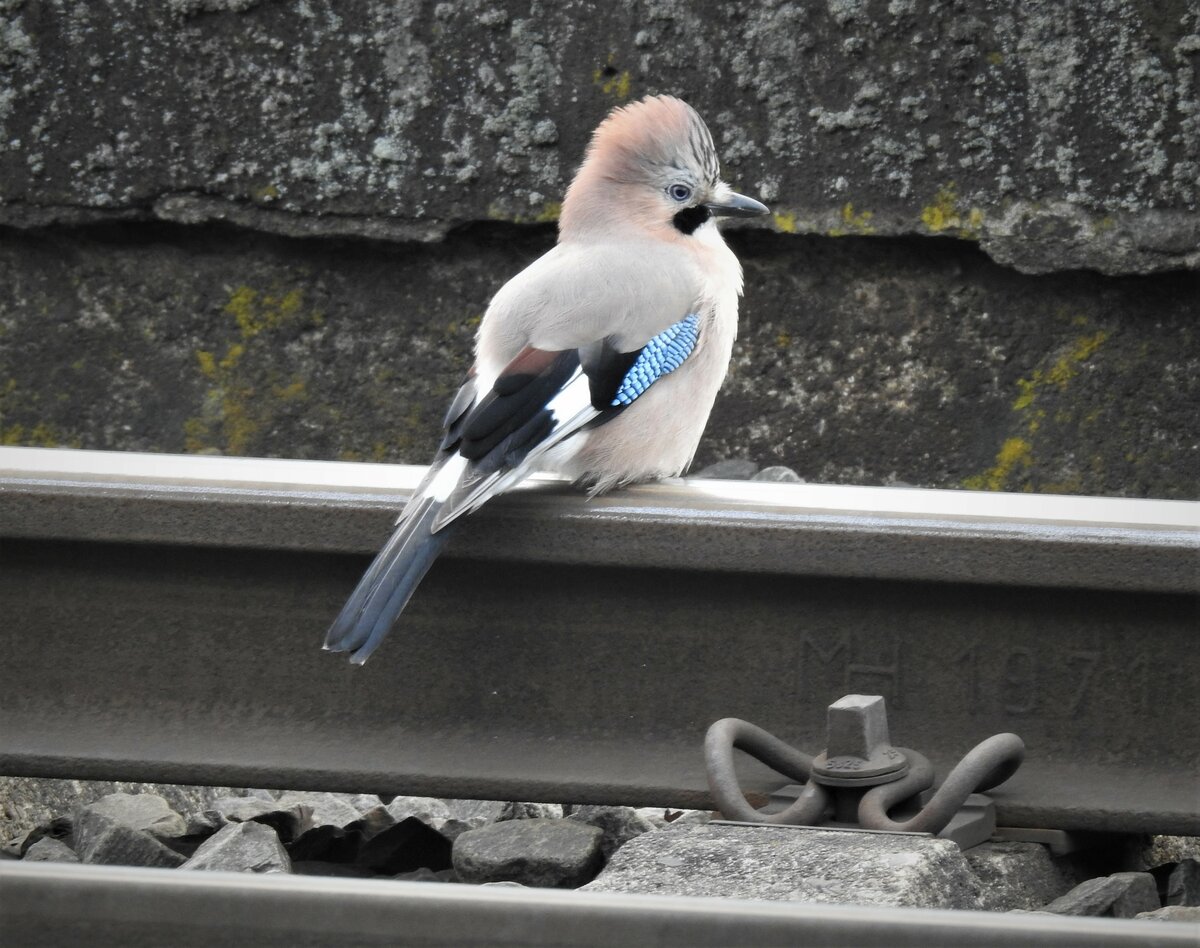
(858, 747)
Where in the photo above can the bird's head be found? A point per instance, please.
(651, 164)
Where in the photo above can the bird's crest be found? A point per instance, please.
(659, 130)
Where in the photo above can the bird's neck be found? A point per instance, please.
(602, 204)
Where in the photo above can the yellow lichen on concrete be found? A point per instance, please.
(1014, 453)
(255, 312)
(1067, 367)
(41, 435)
(942, 213)
(293, 391)
(785, 221)
(1060, 372)
(1028, 392)
(549, 213)
(852, 222)
(612, 83)
(240, 401)
(208, 363)
(232, 356)
(946, 212)
(1015, 456)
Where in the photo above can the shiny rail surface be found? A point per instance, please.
(163, 615)
(738, 526)
(54, 904)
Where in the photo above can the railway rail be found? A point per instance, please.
(163, 614)
(140, 908)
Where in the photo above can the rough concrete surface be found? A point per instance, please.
(794, 863)
(1055, 134)
(858, 360)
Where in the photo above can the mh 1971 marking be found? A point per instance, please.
(1016, 680)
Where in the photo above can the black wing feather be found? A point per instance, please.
(452, 426)
(606, 366)
(514, 401)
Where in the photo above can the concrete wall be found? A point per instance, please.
(270, 227)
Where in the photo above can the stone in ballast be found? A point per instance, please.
(779, 474)
(332, 809)
(226, 810)
(1121, 895)
(515, 810)
(289, 821)
(141, 811)
(1015, 875)
(793, 863)
(674, 819)
(466, 815)
(429, 810)
(1183, 885)
(476, 813)
(536, 852)
(619, 824)
(241, 847)
(1156, 851)
(48, 849)
(1173, 913)
(103, 841)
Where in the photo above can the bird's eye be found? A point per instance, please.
(679, 192)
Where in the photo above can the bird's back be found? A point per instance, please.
(624, 289)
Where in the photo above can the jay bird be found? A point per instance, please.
(600, 361)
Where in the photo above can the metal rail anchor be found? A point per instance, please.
(861, 777)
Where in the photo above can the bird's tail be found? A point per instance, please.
(389, 582)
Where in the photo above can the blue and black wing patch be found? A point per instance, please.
(618, 378)
(661, 356)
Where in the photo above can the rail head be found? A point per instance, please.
(104, 905)
(787, 529)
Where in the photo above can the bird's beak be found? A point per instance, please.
(731, 204)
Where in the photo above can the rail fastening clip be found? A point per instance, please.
(860, 778)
